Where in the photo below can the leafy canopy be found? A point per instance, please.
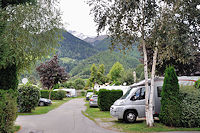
(30, 32)
(51, 73)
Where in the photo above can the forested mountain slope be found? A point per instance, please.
(107, 58)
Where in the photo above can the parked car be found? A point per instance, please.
(88, 95)
(44, 102)
(93, 101)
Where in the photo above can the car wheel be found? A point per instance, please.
(41, 104)
(130, 116)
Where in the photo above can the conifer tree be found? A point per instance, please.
(170, 106)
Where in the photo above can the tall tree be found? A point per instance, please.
(127, 21)
(101, 79)
(155, 20)
(93, 75)
(170, 102)
(116, 73)
(51, 74)
(30, 32)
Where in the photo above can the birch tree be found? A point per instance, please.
(127, 22)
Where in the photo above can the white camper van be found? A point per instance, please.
(132, 104)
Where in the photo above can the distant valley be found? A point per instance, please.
(78, 55)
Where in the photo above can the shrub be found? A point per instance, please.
(79, 84)
(8, 110)
(190, 105)
(83, 93)
(59, 95)
(95, 92)
(106, 98)
(170, 102)
(197, 84)
(55, 95)
(28, 97)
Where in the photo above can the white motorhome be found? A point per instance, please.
(132, 104)
(112, 87)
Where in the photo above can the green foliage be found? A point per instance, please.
(170, 102)
(28, 97)
(127, 77)
(108, 59)
(8, 110)
(106, 98)
(23, 41)
(55, 95)
(68, 84)
(79, 84)
(139, 72)
(56, 86)
(190, 105)
(101, 79)
(197, 84)
(93, 74)
(51, 73)
(83, 93)
(116, 72)
(95, 92)
(60, 95)
(8, 77)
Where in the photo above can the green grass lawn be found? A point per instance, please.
(94, 112)
(138, 127)
(16, 128)
(45, 109)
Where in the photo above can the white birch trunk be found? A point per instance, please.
(146, 82)
(151, 100)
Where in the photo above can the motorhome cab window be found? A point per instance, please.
(139, 94)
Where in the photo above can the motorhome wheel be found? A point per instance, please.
(130, 116)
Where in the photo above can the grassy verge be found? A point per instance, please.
(45, 109)
(138, 127)
(16, 128)
(94, 112)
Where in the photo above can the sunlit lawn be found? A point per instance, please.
(138, 127)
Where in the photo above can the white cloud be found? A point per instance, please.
(76, 16)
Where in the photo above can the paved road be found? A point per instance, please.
(65, 119)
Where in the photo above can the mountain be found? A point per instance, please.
(75, 48)
(104, 45)
(78, 34)
(107, 58)
(93, 40)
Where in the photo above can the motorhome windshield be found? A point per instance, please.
(126, 94)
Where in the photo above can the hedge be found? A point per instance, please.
(197, 84)
(55, 95)
(106, 98)
(28, 97)
(8, 110)
(190, 105)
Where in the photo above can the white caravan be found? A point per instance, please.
(132, 104)
(69, 92)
